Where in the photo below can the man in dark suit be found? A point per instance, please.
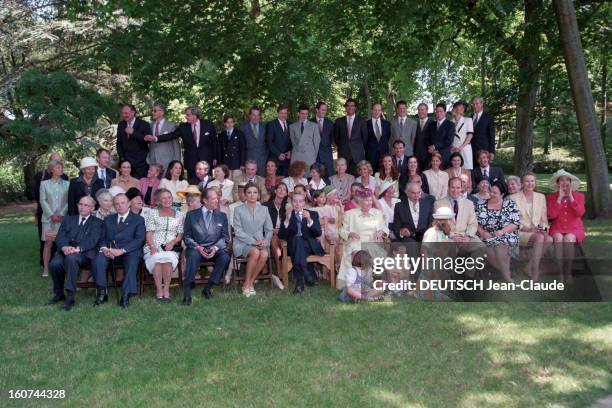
(104, 172)
(420, 140)
(77, 240)
(279, 141)
(122, 239)
(350, 136)
(440, 134)
(255, 135)
(484, 130)
(326, 130)
(301, 229)
(131, 143)
(199, 140)
(379, 133)
(38, 179)
(206, 237)
(412, 217)
(484, 170)
(232, 146)
(400, 160)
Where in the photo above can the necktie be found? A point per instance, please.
(208, 217)
(350, 126)
(194, 131)
(486, 173)
(377, 130)
(120, 224)
(476, 118)
(402, 124)
(399, 164)
(299, 224)
(156, 129)
(302, 128)
(229, 134)
(82, 222)
(422, 123)
(320, 123)
(255, 131)
(438, 126)
(455, 208)
(284, 127)
(103, 176)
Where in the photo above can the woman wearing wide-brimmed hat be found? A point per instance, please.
(565, 209)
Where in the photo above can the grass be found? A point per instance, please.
(281, 350)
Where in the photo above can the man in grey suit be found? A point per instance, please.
(255, 133)
(350, 136)
(305, 138)
(206, 237)
(404, 128)
(164, 152)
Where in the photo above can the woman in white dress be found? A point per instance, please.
(464, 131)
(222, 181)
(360, 226)
(367, 180)
(173, 182)
(387, 201)
(164, 231)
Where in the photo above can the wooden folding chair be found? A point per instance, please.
(326, 260)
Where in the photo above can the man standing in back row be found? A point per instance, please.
(305, 138)
(403, 128)
(484, 130)
(326, 130)
(132, 144)
(350, 135)
(255, 135)
(199, 140)
(278, 140)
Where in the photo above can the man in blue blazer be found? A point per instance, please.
(379, 133)
(440, 135)
(131, 142)
(206, 237)
(301, 229)
(326, 131)
(122, 239)
(77, 241)
(279, 141)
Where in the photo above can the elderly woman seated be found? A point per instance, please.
(105, 204)
(498, 223)
(565, 209)
(361, 225)
(164, 232)
(534, 221)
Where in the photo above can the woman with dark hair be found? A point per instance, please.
(174, 181)
(296, 175)
(276, 208)
(272, 178)
(224, 184)
(456, 166)
(125, 179)
(498, 223)
(317, 179)
(387, 172)
(136, 202)
(253, 233)
(412, 169)
(149, 184)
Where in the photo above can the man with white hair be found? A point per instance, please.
(77, 241)
(412, 217)
(484, 130)
(164, 152)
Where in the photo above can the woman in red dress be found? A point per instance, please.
(565, 209)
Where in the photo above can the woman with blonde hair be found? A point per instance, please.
(54, 203)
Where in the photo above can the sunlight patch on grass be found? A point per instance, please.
(486, 399)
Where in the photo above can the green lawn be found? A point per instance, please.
(281, 350)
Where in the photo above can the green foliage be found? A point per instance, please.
(58, 111)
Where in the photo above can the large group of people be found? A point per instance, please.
(241, 192)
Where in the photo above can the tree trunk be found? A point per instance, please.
(604, 92)
(528, 86)
(390, 100)
(366, 90)
(598, 187)
(483, 65)
(29, 171)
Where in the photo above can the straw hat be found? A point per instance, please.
(88, 162)
(562, 173)
(190, 190)
(384, 187)
(443, 213)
